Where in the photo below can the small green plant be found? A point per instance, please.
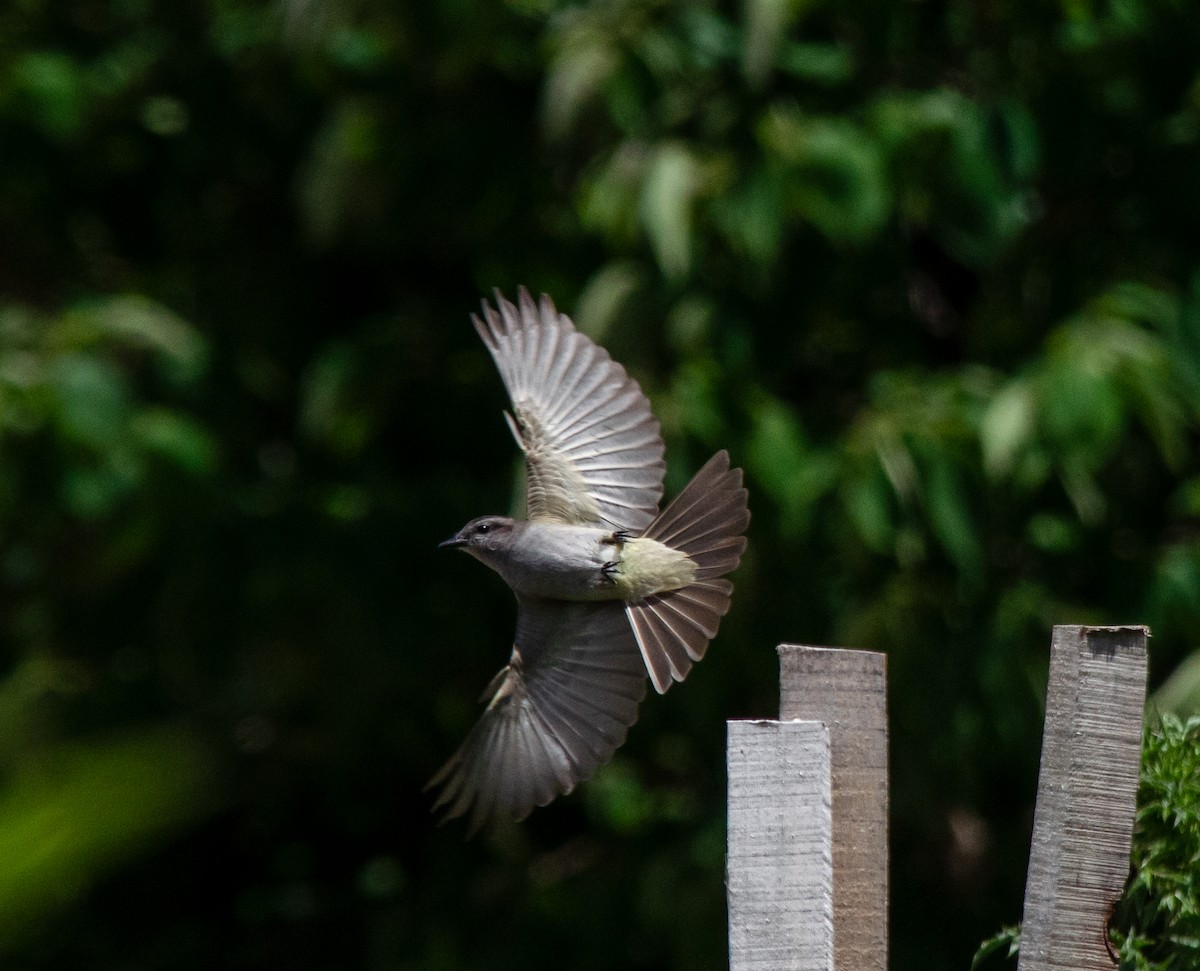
(1007, 941)
(1156, 924)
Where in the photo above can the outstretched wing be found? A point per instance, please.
(593, 449)
(555, 713)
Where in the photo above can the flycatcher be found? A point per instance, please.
(608, 588)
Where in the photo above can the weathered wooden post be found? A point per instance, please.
(780, 868)
(848, 691)
(1087, 792)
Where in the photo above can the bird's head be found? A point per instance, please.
(485, 538)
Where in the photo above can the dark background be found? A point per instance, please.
(930, 271)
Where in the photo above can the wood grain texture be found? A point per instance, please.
(1087, 792)
(780, 868)
(848, 691)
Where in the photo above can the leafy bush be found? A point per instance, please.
(1157, 925)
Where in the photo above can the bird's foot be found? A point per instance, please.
(609, 572)
(618, 538)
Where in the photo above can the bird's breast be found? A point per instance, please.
(562, 562)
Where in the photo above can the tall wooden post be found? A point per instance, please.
(780, 869)
(1087, 793)
(846, 690)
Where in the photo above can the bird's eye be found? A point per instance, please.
(483, 527)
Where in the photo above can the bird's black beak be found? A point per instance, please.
(452, 542)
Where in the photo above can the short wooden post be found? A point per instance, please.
(848, 690)
(780, 871)
(1087, 791)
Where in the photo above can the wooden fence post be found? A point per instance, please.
(847, 690)
(1087, 791)
(780, 869)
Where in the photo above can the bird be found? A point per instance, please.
(610, 590)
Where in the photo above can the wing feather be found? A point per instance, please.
(556, 713)
(574, 406)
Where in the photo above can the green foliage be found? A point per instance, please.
(68, 817)
(1006, 941)
(930, 272)
(1157, 926)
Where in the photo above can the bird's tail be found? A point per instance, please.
(706, 521)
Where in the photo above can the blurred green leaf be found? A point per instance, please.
(822, 63)
(608, 200)
(696, 405)
(672, 183)
(333, 185)
(942, 151)
(86, 807)
(868, 505)
(93, 404)
(54, 86)
(177, 438)
(165, 116)
(752, 216)
(767, 23)
(93, 491)
(1081, 410)
(835, 177)
(793, 474)
(1179, 695)
(951, 519)
(1053, 534)
(134, 321)
(605, 297)
(1007, 427)
(576, 76)
(329, 410)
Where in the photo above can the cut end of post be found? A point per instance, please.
(792, 649)
(1115, 629)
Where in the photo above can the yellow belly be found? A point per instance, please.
(646, 566)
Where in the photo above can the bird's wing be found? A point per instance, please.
(593, 449)
(555, 713)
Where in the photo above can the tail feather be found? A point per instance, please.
(717, 526)
(704, 604)
(661, 646)
(706, 521)
(713, 501)
(721, 558)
